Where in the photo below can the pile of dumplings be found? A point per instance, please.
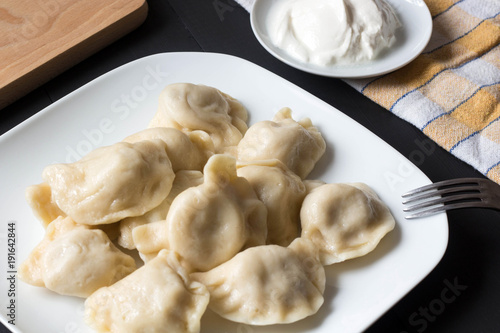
(220, 215)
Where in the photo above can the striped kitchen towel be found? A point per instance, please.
(452, 90)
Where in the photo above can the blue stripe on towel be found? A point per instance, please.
(447, 9)
(459, 104)
(434, 76)
(439, 47)
(491, 167)
(465, 34)
(474, 134)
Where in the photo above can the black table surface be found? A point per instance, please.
(470, 268)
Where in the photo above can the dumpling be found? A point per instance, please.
(82, 261)
(190, 107)
(112, 182)
(30, 270)
(210, 223)
(299, 145)
(183, 180)
(267, 284)
(344, 220)
(158, 297)
(150, 239)
(76, 261)
(39, 198)
(282, 191)
(185, 151)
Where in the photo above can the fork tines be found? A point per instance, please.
(444, 195)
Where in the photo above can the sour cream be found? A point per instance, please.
(326, 32)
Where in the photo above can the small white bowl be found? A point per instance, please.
(411, 39)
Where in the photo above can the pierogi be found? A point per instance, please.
(39, 198)
(75, 260)
(282, 191)
(190, 107)
(30, 270)
(183, 180)
(185, 151)
(208, 224)
(267, 284)
(222, 215)
(158, 297)
(298, 144)
(344, 221)
(112, 182)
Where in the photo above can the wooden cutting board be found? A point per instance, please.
(39, 39)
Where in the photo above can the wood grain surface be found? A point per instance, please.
(39, 39)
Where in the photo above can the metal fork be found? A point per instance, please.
(452, 194)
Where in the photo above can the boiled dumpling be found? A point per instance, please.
(210, 223)
(75, 260)
(344, 220)
(82, 261)
(282, 191)
(267, 284)
(183, 180)
(185, 151)
(299, 145)
(30, 270)
(190, 107)
(112, 182)
(150, 239)
(39, 198)
(158, 297)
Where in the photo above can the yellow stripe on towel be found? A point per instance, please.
(492, 132)
(494, 174)
(478, 111)
(447, 131)
(438, 6)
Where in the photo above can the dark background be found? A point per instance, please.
(472, 259)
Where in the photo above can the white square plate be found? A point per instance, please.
(123, 101)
